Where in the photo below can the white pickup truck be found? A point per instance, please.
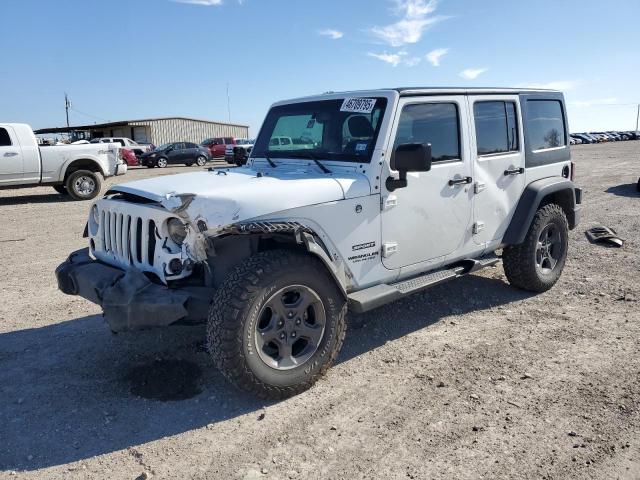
(74, 170)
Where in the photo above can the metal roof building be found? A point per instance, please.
(154, 130)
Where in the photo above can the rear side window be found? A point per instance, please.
(434, 123)
(545, 123)
(496, 127)
(5, 139)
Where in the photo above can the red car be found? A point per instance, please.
(129, 157)
(217, 145)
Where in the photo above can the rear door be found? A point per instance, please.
(11, 159)
(499, 163)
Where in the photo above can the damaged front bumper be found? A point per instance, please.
(129, 300)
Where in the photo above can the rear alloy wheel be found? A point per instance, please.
(276, 323)
(83, 185)
(536, 263)
(201, 161)
(161, 162)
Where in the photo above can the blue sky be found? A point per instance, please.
(128, 59)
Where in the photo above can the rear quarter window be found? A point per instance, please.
(546, 124)
(545, 128)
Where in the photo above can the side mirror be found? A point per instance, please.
(409, 157)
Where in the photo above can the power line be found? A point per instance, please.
(89, 115)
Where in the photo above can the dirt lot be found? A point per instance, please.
(473, 379)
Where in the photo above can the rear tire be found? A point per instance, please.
(61, 189)
(201, 161)
(276, 324)
(638, 185)
(83, 185)
(537, 263)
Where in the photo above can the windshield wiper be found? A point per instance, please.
(271, 162)
(312, 156)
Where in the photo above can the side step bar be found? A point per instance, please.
(378, 295)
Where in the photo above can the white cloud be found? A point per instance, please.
(416, 17)
(434, 56)
(390, 58)
(395, 59)
(333, 34)
(596, 101)
(472, 73)
(206, 3)
(554, 85)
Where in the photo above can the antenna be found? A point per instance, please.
(228, 103)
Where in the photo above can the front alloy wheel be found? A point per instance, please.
(276, 323)
(290, 327)
(161, 162)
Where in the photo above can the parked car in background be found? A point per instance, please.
(238, 154)
(218, 145)
(137, 148)
(129, 157)
(177, 152)
(74, 170)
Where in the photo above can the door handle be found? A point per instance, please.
(460, 181)
(10, 154)
(514, 171)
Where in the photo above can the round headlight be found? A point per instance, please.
(177, 230)
(94, 220)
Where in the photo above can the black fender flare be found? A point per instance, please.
(561, 190)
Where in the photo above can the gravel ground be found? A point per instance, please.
(473, 379)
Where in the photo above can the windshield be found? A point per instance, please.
(342, 129)
(164, 147)
(243, 141)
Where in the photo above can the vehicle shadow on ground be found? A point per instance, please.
(40, 198)
(624, 190)
(73, 390)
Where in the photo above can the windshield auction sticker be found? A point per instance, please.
(358, 105)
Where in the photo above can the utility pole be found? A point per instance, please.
(67, 105)
(637, 118)
(229, 103)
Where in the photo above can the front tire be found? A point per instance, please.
(537, 263)
(162, 162)
(83, 185)
(276, 324)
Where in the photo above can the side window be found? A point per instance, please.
(496, 127)
(434, 123)
(5, 139)
(228, 141)
(218, 141)
(545, 124)
(190, 145)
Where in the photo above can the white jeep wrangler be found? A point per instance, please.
(380, 194)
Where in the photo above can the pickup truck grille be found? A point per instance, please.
(129, 239)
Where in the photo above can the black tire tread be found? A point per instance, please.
(70, 179)
(518, 260)
(224, 336)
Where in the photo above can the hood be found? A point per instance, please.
(222, 197)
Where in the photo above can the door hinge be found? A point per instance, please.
(389, 248)
(388, 202)
(479, 187)
(478, 227)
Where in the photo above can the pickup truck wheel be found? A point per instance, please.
(201, 161)
(161, 162)
(83, 185)
(276, 324)
(536, 264)
(61, 189)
